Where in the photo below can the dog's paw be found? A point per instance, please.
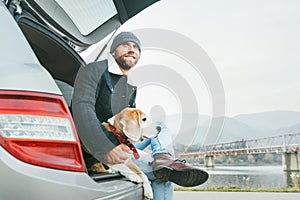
(147, 187)
(98, 168)
(134, 178)
(147, 190)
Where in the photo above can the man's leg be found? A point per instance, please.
(163, 142)
(162, 190)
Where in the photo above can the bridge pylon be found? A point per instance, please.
(209, 161)
(290, 165)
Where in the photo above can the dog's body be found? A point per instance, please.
(129, 126)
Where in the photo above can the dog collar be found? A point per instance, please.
(122, 139)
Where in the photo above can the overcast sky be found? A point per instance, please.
(253, 44)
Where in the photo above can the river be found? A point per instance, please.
(245, 176)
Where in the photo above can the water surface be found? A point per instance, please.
(245, 176)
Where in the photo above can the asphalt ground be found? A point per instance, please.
(195, 195)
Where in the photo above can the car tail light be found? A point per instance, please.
(37, 128)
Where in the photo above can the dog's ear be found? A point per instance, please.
(131, 130)
(131, 126)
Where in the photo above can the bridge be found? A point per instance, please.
(287, 144)
(274, 144)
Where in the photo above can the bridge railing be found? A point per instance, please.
(281, 143)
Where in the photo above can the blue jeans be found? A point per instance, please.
(160, 144)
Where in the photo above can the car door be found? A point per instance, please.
(63, 28)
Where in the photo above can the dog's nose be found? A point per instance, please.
(158, 128)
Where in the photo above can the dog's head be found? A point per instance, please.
(134, 124)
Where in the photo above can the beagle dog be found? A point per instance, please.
(130, 126)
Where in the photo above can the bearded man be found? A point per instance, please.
(101, 91)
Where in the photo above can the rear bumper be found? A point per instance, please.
(20, 180)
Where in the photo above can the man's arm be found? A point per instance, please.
(83, 108)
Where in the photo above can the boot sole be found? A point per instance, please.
(186, 178)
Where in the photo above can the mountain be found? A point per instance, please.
(287, 130)
(241, 127)
(184, 127)
(272, 120)
(219, 130)
(234, 130)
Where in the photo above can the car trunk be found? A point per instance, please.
(60, 60)
(58, 56)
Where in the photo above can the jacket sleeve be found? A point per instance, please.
(89, 128)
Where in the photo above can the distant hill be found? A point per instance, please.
(287, 130)
(234, 130)
(230, 130)
(185, 127)
(248, 126)
(272, 120)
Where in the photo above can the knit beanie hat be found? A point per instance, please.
(122, 38)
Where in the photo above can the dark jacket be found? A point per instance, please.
(98, 95)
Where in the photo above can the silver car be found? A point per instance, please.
(40, 153)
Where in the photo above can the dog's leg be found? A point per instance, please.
(127, 172)
(146, 183)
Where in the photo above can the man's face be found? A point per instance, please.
(127, 55)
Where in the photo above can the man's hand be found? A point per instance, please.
(117, 155)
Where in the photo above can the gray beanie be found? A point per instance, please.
(122, 38)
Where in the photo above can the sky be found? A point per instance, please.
(252, 45)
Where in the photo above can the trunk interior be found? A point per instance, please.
(59, 59)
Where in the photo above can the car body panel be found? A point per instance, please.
(20, 69)
(57, 184)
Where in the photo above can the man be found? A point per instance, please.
(101, 90)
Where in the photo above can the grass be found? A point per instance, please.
(237, 189)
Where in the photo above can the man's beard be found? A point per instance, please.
(122, 63)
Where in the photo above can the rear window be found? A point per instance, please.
(96, 12)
